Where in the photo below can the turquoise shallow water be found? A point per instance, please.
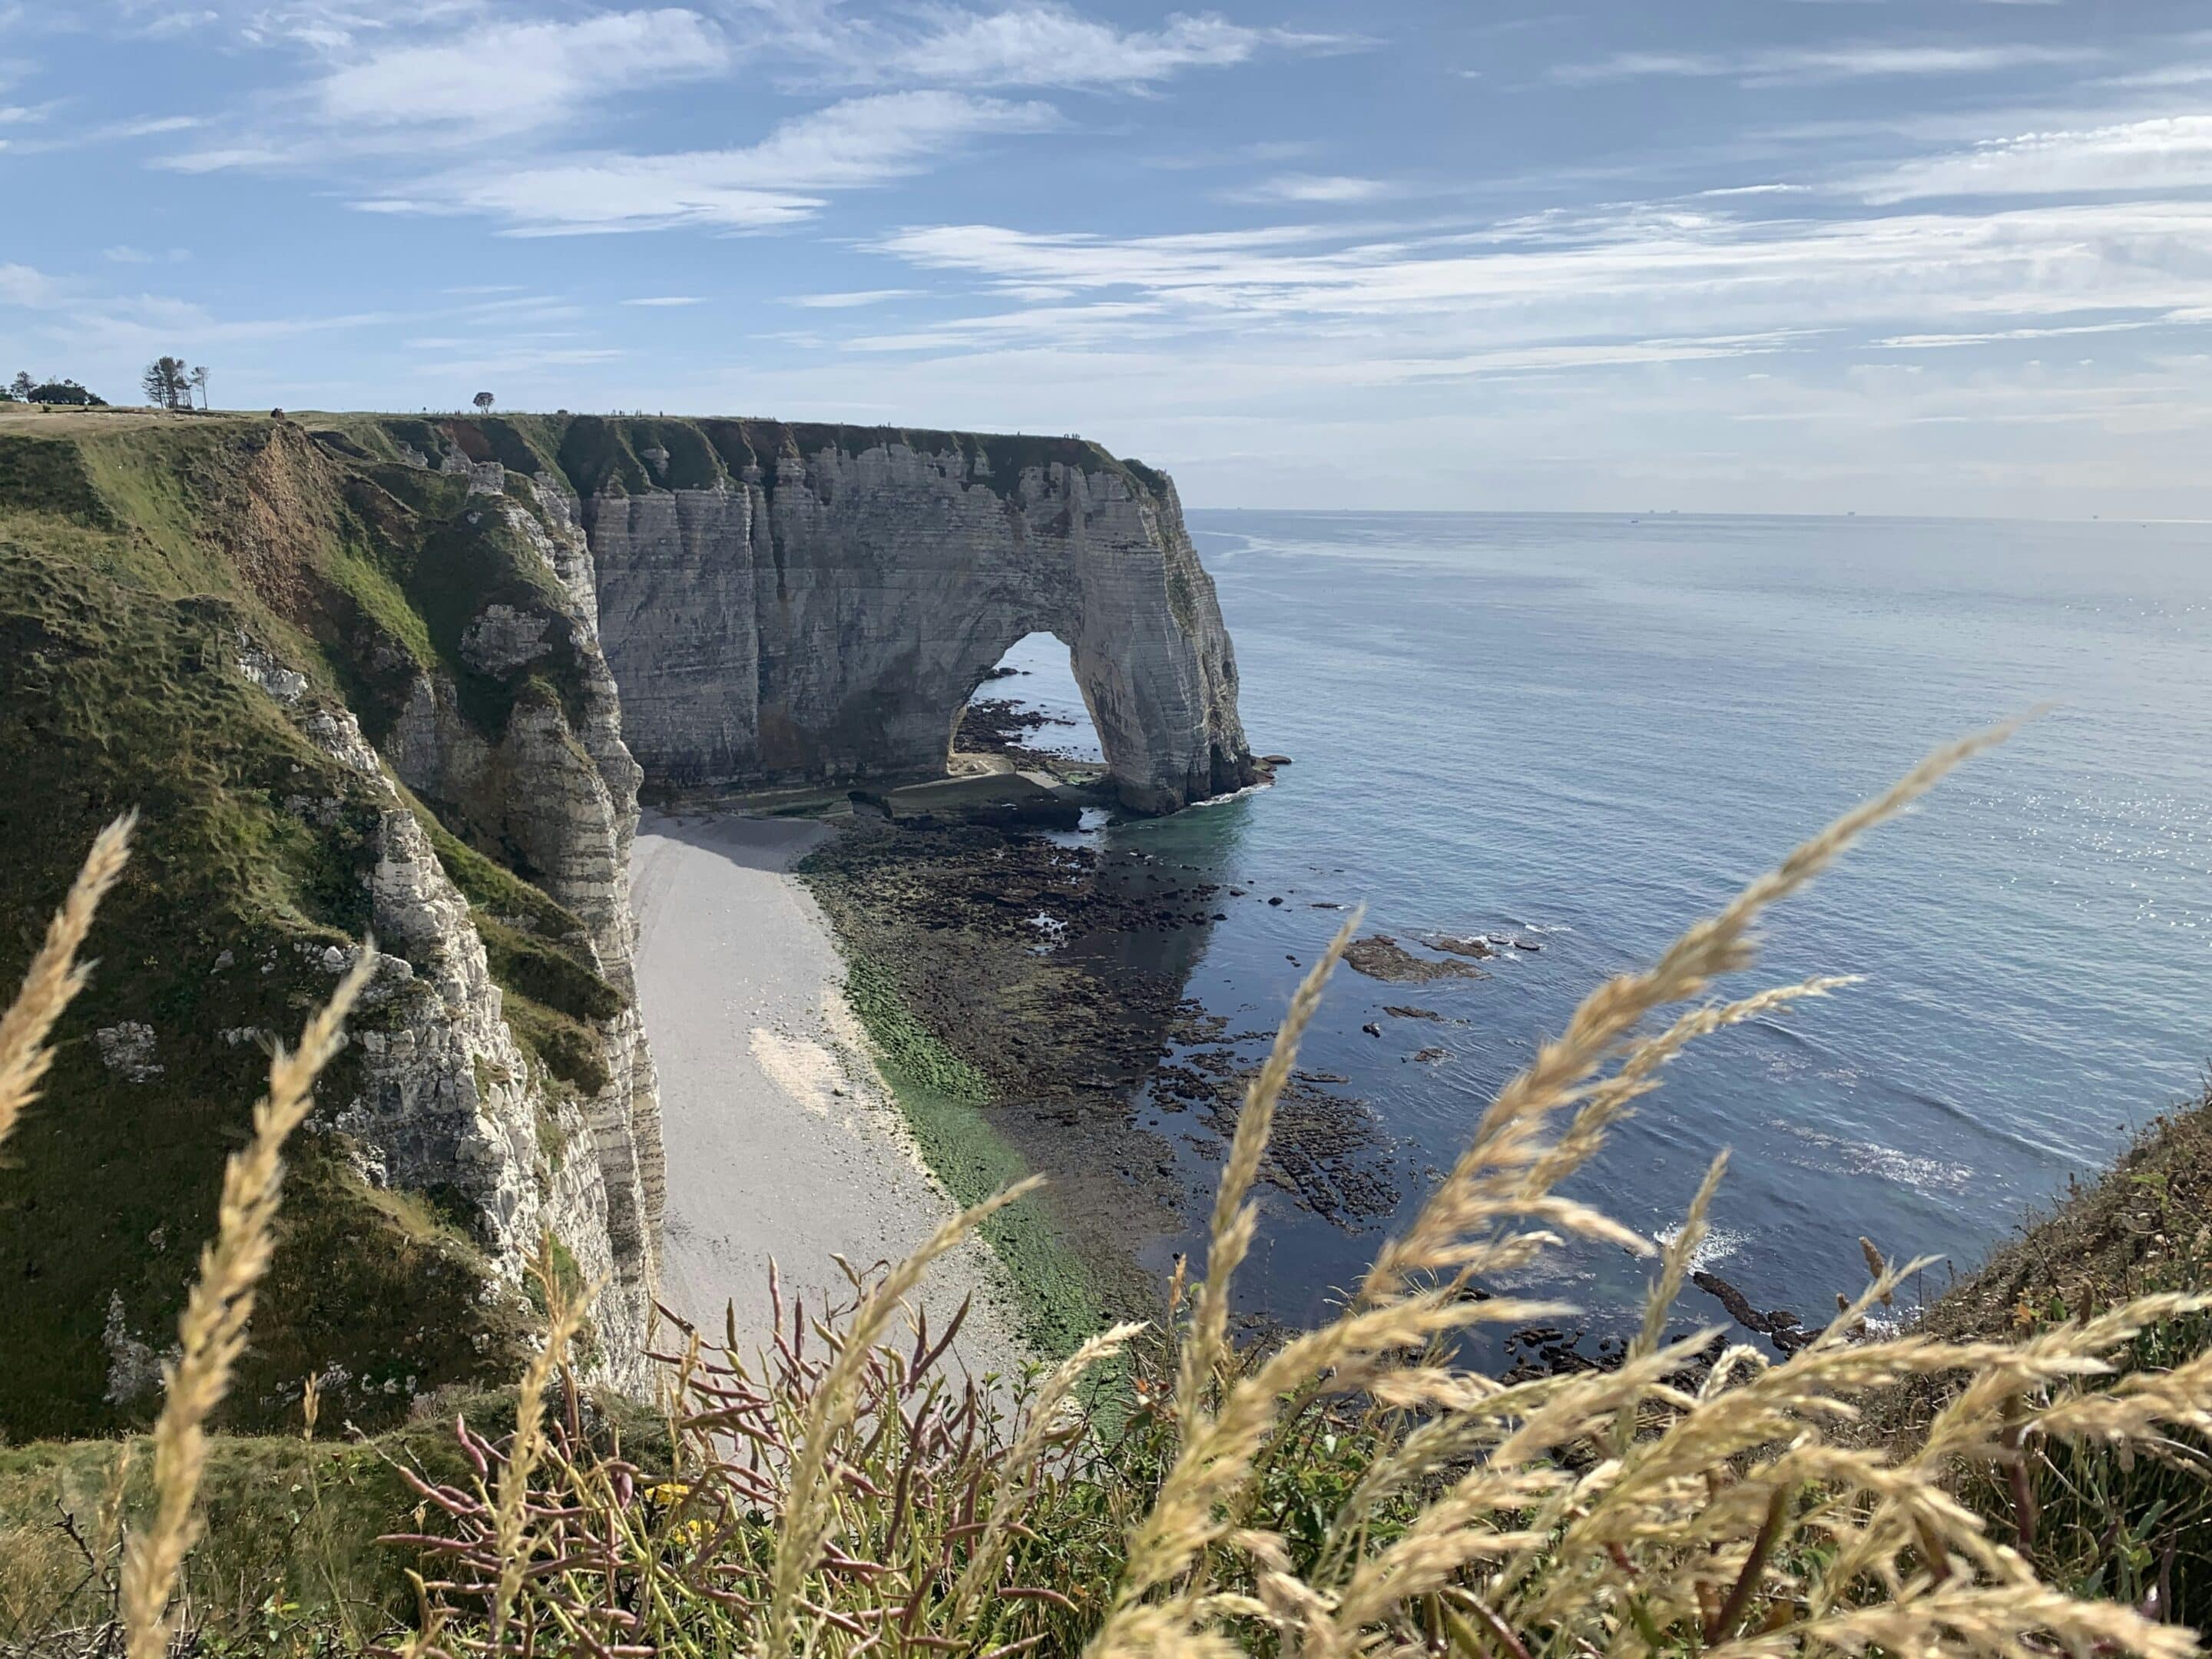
(1589, 730)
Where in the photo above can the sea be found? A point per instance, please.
(1582, 732)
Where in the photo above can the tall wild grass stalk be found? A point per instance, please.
(56, 975)
(1354, 1491)
(211, 1331)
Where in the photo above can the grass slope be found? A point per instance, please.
(135, 556)
(2111, 1525)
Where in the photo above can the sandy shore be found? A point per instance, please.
(781, 1140)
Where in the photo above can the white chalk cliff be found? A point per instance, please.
(791, 604)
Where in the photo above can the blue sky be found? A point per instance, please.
(1944, 256)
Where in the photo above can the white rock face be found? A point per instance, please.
(451, 1102)
(825, 617)
(565, 798)
(128, 1051)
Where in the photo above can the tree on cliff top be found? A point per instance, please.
(167, 383)
(483, 403)
(65, 392)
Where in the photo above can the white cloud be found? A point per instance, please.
(849, 145)
(510, 77)
(180, 21)
(2169, 74)
(1821, 63)
(2170, 153)
(1316, 187)
(2002, 336)
(1592, 283)
(1032, 45)
(28, 288)
(848, 301)
(150, 126)
(667, 301)
(223, 157)
(1053, 46)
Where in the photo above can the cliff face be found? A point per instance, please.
(350, 692)
(785, 605)
(380, 674)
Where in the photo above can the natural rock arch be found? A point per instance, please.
(822, 610)
(993, 685)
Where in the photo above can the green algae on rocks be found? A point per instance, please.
(941, 1096)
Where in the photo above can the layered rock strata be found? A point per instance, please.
(820, 608)
(450, 1103)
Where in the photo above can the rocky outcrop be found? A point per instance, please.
(450, 1103)
(562, 795)
(818, 604)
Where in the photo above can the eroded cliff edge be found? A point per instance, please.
(786, 604)
(371, 673)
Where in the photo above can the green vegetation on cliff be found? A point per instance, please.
(139, 561)
(630, 454)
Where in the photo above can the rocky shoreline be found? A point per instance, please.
(1054, 966)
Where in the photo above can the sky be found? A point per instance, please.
(1796, 256)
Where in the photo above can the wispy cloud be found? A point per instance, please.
(667, 301)
(1593, 284)
(2166, 154)
(782, 180)
(850, 301)
(1317, 188)
(1036, 45)
(28, 288)
(1838, 63)
(512, 78)
(149, 126)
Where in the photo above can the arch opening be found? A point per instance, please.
(1029, 712)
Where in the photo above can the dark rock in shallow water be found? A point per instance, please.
(1473, 944)
(1780, 1327)
(1401, 1010)
(1380, 957)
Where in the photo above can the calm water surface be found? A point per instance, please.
(1589, 730)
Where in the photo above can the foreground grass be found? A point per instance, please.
(2134, 1524)
(1354, 1491)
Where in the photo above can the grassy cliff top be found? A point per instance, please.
(596, 454)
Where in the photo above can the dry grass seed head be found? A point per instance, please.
(212, 1330)
(565, 1313)
(1234, 1221)
(54, 975)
